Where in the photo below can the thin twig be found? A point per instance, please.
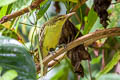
(59, 58)
(34, 5)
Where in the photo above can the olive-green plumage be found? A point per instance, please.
(51, 32)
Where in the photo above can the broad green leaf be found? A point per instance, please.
(13, 55)
(6, 2)
(3, 11)
(110, 65)
(92, 17)
(9, 75)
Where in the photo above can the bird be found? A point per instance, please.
(59, 30)
(50, 33)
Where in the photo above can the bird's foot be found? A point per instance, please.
(52, 51)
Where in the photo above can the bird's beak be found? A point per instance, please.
(70, 14)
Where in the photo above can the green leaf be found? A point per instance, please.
(0, 70)
(96, 26)
(110, 65)
(43, 8)
(115, 16)
(7, 32)
(14, 56)
(61, 75)
(20, 4)
(96, 60)
(110, 76)
(9, 75)
(92, 17)
(6, 2)
(63, 71)
(89, 3)
(78, 26)
(3, 11)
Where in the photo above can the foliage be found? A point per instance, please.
(6, 2)
(111, 64)
(91, 21)
(9, 75)
(14, 56)
(19, 40)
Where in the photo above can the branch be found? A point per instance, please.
(58, 59)
(34, 5)
(86, 39)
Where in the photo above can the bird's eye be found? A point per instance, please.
(61, 18)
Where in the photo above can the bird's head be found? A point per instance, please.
(60, 19)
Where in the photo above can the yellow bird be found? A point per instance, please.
(50, 33)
